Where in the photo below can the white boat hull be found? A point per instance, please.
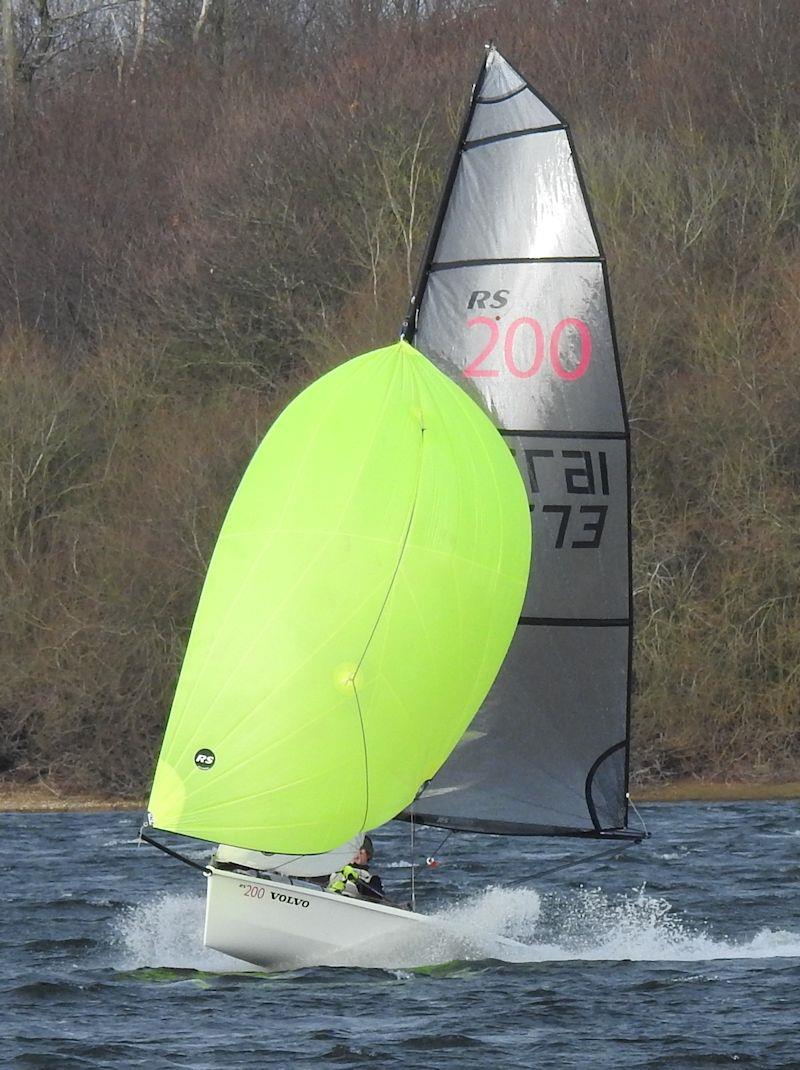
(277, 925)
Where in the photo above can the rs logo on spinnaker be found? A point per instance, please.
(204, 758)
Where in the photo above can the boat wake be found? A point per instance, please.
(507, 925)
(589, 925)
(168, 932)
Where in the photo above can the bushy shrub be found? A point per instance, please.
(182, 247)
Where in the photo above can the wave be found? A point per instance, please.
(500, 924)
(168, 932)
(590, 925)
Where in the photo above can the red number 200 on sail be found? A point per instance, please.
(474, 370)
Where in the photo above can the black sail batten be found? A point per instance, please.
(576, 622)
(620, 436)
(504, 96)
(513, 303)
(448, 266)
(512, 133)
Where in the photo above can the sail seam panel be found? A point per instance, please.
(507, 432)
(577, 622)
(478, 141)
(505, 96)
(450, 265)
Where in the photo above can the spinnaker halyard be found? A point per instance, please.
(513, 304)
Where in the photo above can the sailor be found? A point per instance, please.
(355, 879)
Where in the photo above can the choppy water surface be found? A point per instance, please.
(683, 953)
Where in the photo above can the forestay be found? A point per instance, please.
(513, 304)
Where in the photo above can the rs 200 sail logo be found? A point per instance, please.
(519, 347)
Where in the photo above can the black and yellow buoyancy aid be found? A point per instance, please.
(355, 881)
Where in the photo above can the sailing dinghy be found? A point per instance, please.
(373, 574)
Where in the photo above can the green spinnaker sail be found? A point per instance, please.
(359, 602)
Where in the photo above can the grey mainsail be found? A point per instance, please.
(513, 303)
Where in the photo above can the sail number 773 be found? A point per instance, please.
(523, 348)
(576, 472)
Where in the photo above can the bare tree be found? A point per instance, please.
(42, 42)
(212, 22)
(218, 24)
(201, 20)
(9, 56)
(141, 31)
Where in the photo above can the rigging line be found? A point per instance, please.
(632, 805)
(413, 866)
(174, 854)
(436, 850)
(574, 862)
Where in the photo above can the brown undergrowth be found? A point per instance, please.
(180, 253)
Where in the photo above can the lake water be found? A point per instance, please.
(683, 953)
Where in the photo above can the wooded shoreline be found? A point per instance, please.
(44, 798)
(200, 217)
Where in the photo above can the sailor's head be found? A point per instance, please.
(363, 855)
